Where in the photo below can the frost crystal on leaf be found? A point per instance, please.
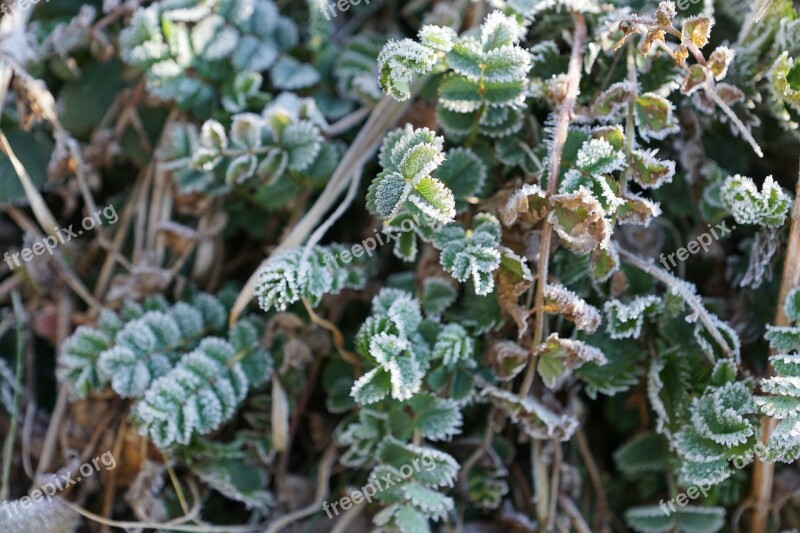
(767, 208)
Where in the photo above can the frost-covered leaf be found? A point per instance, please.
(437, 295)
(560, 300)
(791, 305)
(397, 63)
(646, 452)
(696, 30)
(471, 254)
(462, 172)
(649, 171)
(538, 420)
(626, 320)
(287, 278)
(768, 208)
(559, 357)
(290, 75)
(436, 418)
(689, 519)
(783, 75)
(654, 116)
(202, 392)
(579, 220)
(454, 344)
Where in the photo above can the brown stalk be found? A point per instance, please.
(761, 494)
(559, 138)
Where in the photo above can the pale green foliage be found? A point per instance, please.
(362, 437)
(792, 305)
(390, 338)
(130, 357)
(626, 320)
(486, 83)
(283, 142)
(408, 158)
(214, 42)
(785, 85)
(783, 402)
(437, 295)
(471, 254)
(454, 344)
(357, 68)
(224, 468)
(289, 277)
(749, 206)
(202, 391)
(721, 428)
(414, 499)
(646, 452)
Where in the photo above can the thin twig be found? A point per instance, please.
(559, 139)
(19, 313)
(323, 477)
(684, 290)
(383, 117)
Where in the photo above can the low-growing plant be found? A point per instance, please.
(529, 160)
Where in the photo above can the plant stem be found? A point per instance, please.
(559, 139)
(19, 313)
(763, 472)
(682, 289)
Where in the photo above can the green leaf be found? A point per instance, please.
(654, 116)
(646, 452)
(33, 149)
(559, 357)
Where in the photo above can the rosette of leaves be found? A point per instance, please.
(390, 340)
(130, 355)
(767, 208)
(187, 50)
(408, 157)
(255, 147)
(471, 254)
(783, 402)
(411, 501)
(148, 347)
(486, 81)
(283, 144)
(721, 427)
(463, 174)
(291, 276)
(204, 389)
